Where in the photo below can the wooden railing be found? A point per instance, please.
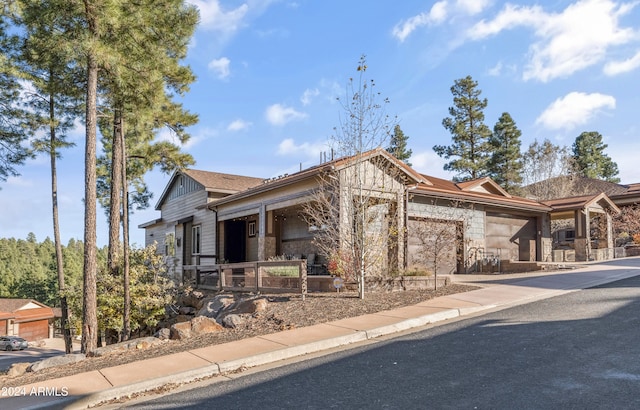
(266, 276)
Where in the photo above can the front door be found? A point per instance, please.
(235, 241)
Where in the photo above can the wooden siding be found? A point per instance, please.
(183, 185)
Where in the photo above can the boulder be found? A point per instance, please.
(186, 310)
(197, 326)
(232, 321)
(183, 318)
(193, 299)
(244, 306)
(202, 325)
(180, 331)
(137, 344)
(18, 369)
(163, 334)
(212, 306)
(56, 361)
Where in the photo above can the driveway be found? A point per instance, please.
(52, 347)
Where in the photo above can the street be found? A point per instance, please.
(578, 350)
(29, 355)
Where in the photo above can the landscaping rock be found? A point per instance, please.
(140, 343)
(202, 325)
(163, 334)
(18, 369)
(180, 331)
(56, 361)
(183, 318)
(232, 321)
(211, 307)
(186, 310)
(244, 306)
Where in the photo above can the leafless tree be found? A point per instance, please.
(353, 213)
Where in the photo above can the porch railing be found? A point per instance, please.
(265, 276)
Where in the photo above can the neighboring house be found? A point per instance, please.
(254, 219)
(586, 203)
(26, 318)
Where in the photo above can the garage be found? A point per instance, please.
(433, 242)
(511, 237)
(26, 318)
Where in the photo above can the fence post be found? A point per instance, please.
(257, 271)
(303, 279)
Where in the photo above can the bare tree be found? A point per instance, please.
(353, 213)
(547, 171)
(439, 239)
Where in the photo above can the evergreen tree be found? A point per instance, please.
(590, 159)
(12, 135)
(54, 103)
(505, 163)
(398, 145)
(470, 148)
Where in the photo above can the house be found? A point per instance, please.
(229, 218)
(580, 221)
(26, 318)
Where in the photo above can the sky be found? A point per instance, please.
(269, 73)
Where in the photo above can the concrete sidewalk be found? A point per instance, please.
(498, 291)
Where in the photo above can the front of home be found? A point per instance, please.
(212, 218)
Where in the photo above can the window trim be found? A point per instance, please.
(196, 239)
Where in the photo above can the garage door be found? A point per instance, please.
(3, 327)
(514, 237)
(438, 239)
(36, 330)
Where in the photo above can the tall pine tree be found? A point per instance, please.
(469, 152)
(505, 163)
(591, 161)
(398, 145)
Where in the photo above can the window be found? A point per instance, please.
(252, 228)
(569, 235)
(169, 244)
(195, 240)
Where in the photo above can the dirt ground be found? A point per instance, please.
(284, 311)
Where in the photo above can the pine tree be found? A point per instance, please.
(590, 159)
(470, 135)
(54, 103)
(398, 145)
(505, 163)
(12, 150)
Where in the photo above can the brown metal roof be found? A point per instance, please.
(213, 181)
(580, 202)
(461, 191)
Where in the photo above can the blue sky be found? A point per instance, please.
(269, 71)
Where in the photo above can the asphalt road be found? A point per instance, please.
(577, 351)
(29, 355)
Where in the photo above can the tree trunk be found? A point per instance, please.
(64, 320)
(126, 315)
(89, 300)
(116, 193)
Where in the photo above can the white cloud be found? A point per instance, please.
(574, 109)
(618, 67)
(213, 17)
(495, 70)
(220, 67)
(289, 147)
(429, 163)
(202, 134)
(238, 125)
(436, 15)
(278, 114)
(569, 41)
(308, 95)
(472, 7)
